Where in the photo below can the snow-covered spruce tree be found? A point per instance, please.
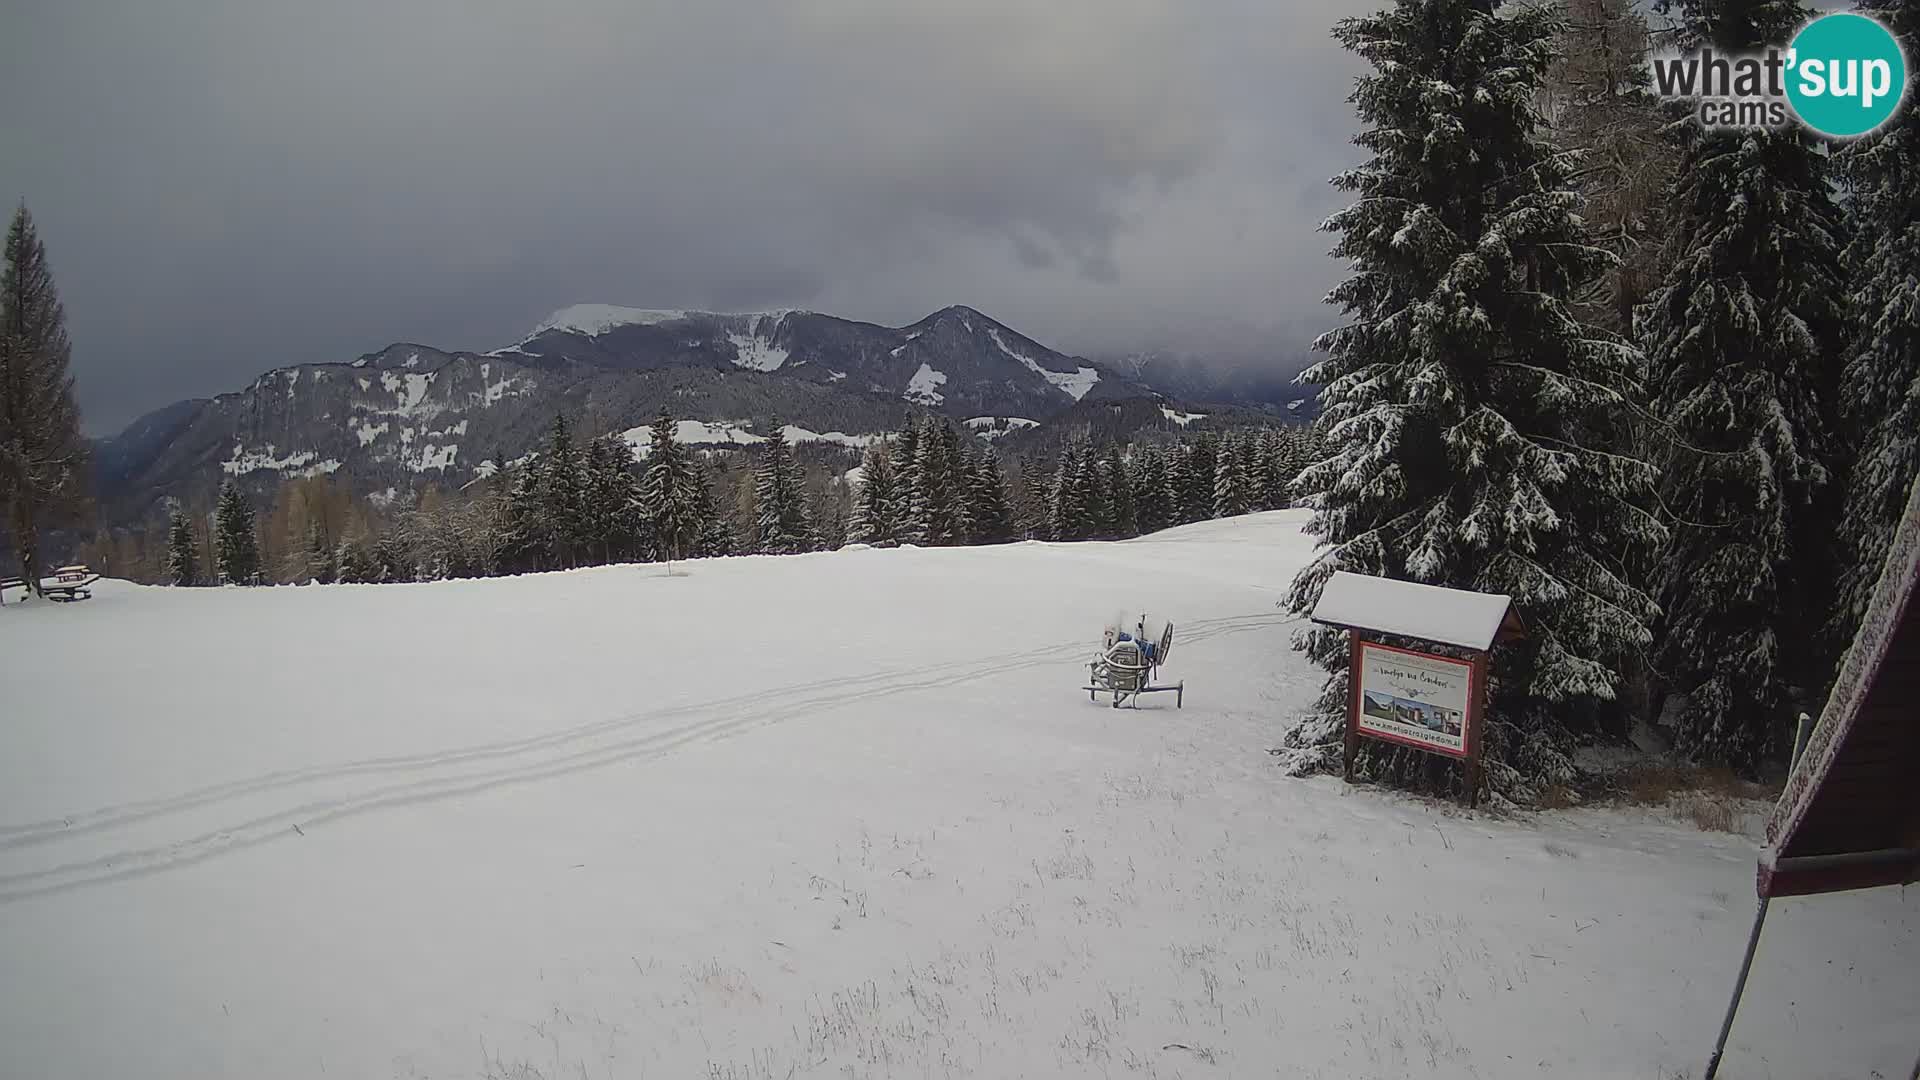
(1152, 494)
(671, 495)
(906, 481)
(931, 516)
(1743, 343)
(1881, 402)
(560, 475)
(1093, 496)
(612, 511)
(234, 544)
(1069, 517)
(1263, 469)
(183, 558)
(1178, 478)
(356, 562)
(43, 458)
(1455, 395)
(874, 500)
(987, 501)
(960, 465)
(781, 499)
(1232, 488)
(1122, 514)
(1289, 460)
(1203, 461)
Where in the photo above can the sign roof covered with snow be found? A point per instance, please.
(1470, 620)
(1848, 818)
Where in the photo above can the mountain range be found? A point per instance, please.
(407, 415)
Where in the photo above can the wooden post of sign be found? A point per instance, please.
(1479, 706)
(1353, 704)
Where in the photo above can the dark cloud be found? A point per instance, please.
(230, 185)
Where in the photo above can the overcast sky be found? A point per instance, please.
(227, 186)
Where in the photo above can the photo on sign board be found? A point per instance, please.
(1414, 698)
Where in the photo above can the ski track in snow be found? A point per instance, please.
(741, 714)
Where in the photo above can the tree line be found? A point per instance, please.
(1658, 382)
(579, 503)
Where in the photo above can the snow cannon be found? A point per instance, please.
(1128, 662)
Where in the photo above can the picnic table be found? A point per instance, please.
(68, 583)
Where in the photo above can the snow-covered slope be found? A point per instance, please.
(828, 815)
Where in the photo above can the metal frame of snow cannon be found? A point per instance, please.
(1124, 671)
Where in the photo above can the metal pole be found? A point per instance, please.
(1739, 987)
(1802, 729)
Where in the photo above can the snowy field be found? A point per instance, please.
(837, 815)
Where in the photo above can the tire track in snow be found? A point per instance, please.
(112, 815)
(763, 708)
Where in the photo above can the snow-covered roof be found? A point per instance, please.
(1470, 620)
(1847, 818)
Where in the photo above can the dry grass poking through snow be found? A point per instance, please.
(1712, 800)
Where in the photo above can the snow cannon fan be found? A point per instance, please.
(1127, 664)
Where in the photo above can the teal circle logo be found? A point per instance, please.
(1846, 74)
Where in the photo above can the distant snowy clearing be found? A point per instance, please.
(835, 815)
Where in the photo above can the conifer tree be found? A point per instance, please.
(1881, 402)
(1458, 392)
(1069, 518)
(673, 499)
(1744, 339)
(237, 551)
(781, 499)
(1263, 470)
(613, 513)
(876, 499)
(960, 464)
(1289, 460)
(1179, 460)
(1203, 462)
(932, 515)
(906, 482)
(1122, 515)
(183, 559)
(43, 458)
(1232, 490)
(1152, 496)
(987, 495)
(357, 565)
(1094, 498)
(560, 476)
